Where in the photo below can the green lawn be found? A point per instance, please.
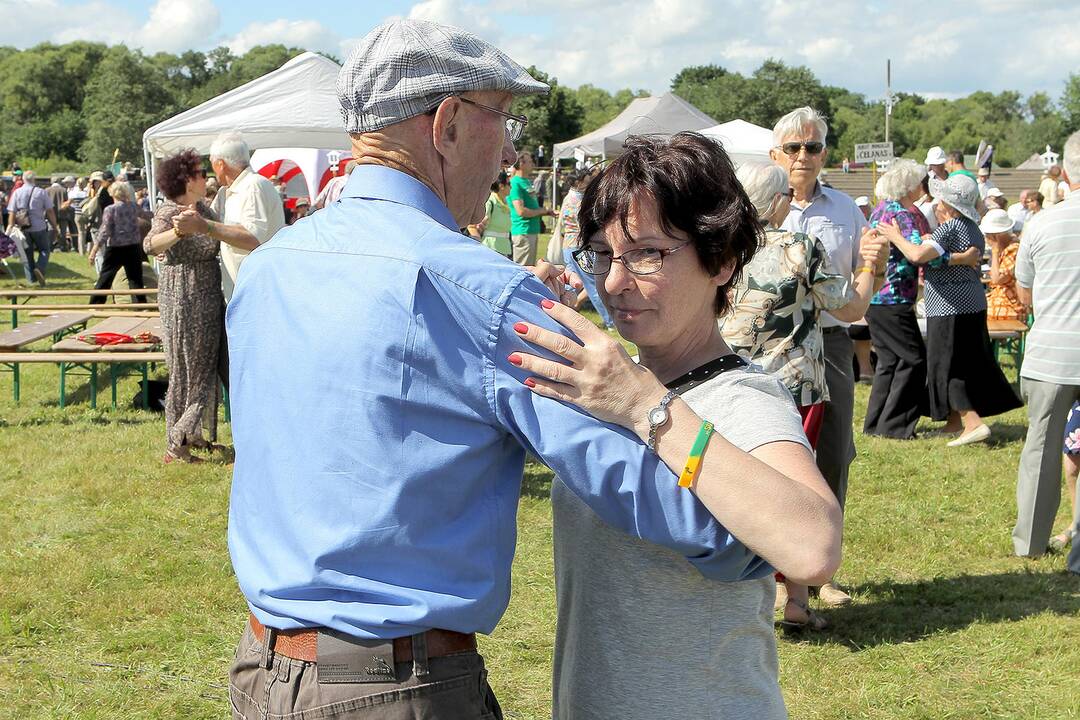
(117, 598)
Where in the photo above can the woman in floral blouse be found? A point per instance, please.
(776, 304)
(898, 394)
(1002, 302)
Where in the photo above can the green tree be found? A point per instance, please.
(127, 95)
(553, 118)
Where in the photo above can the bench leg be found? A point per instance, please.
(112, 381)
(15, 388)
(63, 384)
(14, 313)
(145, 388)
(93, 386)
(225, 401)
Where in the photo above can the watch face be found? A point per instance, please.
(658, 416)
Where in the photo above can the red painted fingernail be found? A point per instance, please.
(514, 359)
(521, 328)
(547, 304)
(529, 382)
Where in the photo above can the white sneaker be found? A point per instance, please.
(977, 435)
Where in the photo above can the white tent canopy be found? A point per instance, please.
(742, 140)
(293, 106)
(664, 114)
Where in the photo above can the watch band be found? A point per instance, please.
(654, 426)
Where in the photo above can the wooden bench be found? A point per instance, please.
(1008, 336)
(55, 325)
(15, 296)
(52, 325)
(86, 306)
(69, 361)
(121, 325)
(104, 313)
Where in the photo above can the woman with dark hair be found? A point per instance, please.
(494, 229)
(192, 308)
(666, 228)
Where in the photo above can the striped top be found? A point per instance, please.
(1048, 263)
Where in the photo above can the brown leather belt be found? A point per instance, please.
(303, 644)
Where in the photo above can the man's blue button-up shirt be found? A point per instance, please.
(381, 433)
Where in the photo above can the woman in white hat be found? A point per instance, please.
(965, 382)
(1002, 302)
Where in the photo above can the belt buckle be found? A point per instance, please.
(342, 658)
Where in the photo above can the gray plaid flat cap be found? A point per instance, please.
(405, 68)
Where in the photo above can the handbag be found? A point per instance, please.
(22, 215)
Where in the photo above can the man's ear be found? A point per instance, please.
(446, 129)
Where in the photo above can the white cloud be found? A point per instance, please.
(177, 26)
(308, 34)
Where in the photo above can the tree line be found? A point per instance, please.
(71, 106)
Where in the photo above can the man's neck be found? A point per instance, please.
(804, 194)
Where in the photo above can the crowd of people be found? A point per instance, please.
(699, 488)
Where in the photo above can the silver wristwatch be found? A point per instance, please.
(658, 417)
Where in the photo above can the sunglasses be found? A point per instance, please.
(793, 148)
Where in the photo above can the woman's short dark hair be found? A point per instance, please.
(499, 182)
(174, 172)
(693, 183)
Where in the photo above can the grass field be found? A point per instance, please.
(117, 598)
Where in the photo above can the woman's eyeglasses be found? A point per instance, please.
(793, 148)
(645, 261)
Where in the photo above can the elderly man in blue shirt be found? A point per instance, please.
(833, 218)
(381, 431)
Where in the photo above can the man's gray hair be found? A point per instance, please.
(798, 120)
(29, 176)
(762, 180)
(230, 147)
(902, 177)
(1070, 157)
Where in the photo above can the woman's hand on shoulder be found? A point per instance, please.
(600, 376)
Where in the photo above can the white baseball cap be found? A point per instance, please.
(935, 156)
(862, 201)
(994, 192)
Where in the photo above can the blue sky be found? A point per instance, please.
(939, 48)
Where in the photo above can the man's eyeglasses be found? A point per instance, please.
(793, 148)
(645, 261)
(515, 124)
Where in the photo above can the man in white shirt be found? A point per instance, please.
(252, 209)
(984, 182)
(332, 190)
(833, 218)
(1019, 212)
(935, 163)
(1048, 280)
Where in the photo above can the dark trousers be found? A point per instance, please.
(264, 684)
(36, 241)
(898, 395)
(67, 232)
(836, 445)
(128, 257)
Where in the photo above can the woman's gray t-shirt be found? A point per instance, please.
(641, 633)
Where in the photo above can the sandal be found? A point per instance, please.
(1061, 541)
(171, 457)
(813, 621)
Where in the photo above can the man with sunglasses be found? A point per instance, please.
(381, 415)
(832, 217)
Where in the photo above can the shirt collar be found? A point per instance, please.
(375, 182)
(816, 195)
(235, 184)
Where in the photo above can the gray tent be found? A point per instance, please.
(664, 114)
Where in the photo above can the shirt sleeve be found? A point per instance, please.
(108, 226)
(829, 289)
(620, 479)
(1024, 270)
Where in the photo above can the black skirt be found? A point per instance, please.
(898, 395)
(962, 373)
